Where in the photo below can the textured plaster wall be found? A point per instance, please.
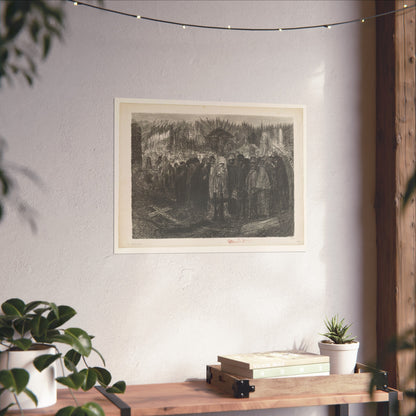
(159, 317)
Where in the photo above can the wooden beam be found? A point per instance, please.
(385, 186)
(395, 163)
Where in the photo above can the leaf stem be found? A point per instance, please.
(63, 373)
(18, 404)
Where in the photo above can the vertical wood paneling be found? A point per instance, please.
(385, 187)
(405, 163)
(396, 150)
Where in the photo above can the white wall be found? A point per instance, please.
(162, 318)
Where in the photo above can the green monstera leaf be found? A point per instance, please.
(14, 380)
(73, 381)
(59, 315)
(117, 388)
(77, 338)
(23, 326)
(45, 360)
(13, 307)
(88, 409)
(5, 410)
(71, 360)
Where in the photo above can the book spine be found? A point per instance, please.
(293, 370)
(235, 363)
(257, 363)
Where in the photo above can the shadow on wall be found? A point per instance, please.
(358, 195)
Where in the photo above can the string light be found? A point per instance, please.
(246, 29)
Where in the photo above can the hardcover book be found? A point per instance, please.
(282, 371)
(269, 359)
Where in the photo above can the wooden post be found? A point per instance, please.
(395, 163)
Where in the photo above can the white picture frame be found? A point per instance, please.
(253, 199)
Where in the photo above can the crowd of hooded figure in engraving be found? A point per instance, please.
(228, 187)
(233, 187)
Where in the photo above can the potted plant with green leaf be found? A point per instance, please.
(31, 338)
(340, 346)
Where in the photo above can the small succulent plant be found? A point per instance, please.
(337, 331)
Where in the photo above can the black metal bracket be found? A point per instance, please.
(341, 410)
(381, 380)
(208, 375)
(125, 409)
(393, 402)
(380, 377)
(242, 389)
(390, 408)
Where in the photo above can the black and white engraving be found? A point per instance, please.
(211, 176)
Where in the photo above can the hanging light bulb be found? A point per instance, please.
(327, 26)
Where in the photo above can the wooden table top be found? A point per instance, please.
(199, 397)
(65, 399)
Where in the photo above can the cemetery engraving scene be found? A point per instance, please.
(215, 176)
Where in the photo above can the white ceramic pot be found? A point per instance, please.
(342, 357)
(42, 384)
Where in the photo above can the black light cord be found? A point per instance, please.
(244, 29)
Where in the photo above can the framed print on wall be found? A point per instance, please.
(208, 177)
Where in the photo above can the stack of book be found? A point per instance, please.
(275, 364)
